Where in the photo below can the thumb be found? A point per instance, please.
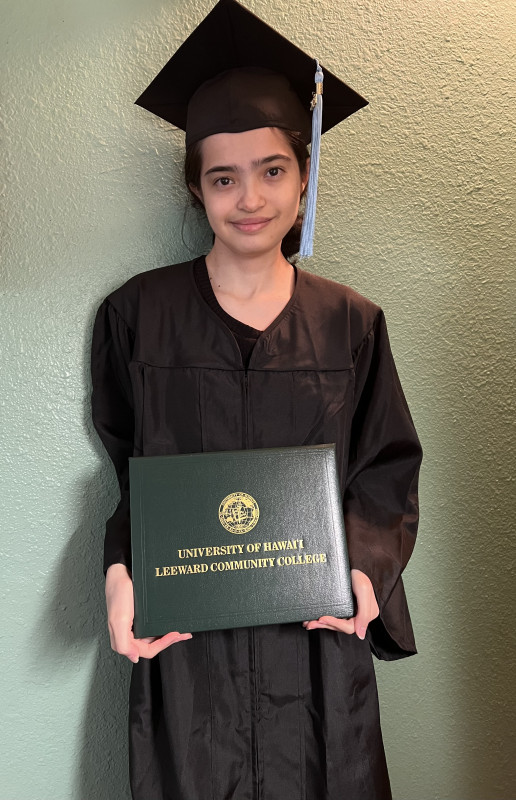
(363, 616)
(364, 593)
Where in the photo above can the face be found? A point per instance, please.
(251, 188)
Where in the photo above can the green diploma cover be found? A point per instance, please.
(237, 538)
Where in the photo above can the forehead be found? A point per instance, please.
(244, 148)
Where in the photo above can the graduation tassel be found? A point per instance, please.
(307, 231)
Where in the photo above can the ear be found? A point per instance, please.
(197, 192)
(304, 178)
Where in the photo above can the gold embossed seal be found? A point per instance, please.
(239, 512)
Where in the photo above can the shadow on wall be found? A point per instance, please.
(72, 629)
(73, 619)
(73, 622)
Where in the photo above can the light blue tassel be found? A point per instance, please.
(307, 231)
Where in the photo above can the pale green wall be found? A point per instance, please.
(417, 212)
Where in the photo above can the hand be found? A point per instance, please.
(367, 609)
(120, 609)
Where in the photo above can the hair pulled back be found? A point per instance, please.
(192, 171)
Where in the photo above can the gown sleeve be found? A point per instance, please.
(380, 498)
(113, 418)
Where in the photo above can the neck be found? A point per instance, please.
(246, 275)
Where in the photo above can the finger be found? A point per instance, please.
(337, 624)
(151, 649)
(332, 624)
(150, 639)
(313, 623)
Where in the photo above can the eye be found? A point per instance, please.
(273, 172)
(223, 181)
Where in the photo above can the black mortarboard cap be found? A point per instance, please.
(235, 73)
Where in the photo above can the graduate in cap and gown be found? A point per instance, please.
(240, 349)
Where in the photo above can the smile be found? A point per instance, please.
(251, 225)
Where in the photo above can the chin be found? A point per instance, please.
(255, 247)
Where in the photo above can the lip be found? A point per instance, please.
(251, 224)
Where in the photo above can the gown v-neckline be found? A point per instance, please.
(239, 330)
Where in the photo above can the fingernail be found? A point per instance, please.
(135, 660)
(361, 632)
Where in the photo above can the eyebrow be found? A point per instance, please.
(258, 162)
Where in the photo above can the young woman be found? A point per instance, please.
(241, 349)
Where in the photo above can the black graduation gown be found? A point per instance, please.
(274, 712)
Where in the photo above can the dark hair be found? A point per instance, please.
(192, 171)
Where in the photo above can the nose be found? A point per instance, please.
(251, 197)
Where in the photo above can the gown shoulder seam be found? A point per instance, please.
(370, 331)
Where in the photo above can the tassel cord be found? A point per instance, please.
(308, 229)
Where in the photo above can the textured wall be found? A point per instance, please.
(417, 212)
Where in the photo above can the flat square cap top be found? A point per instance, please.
(236, 73)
